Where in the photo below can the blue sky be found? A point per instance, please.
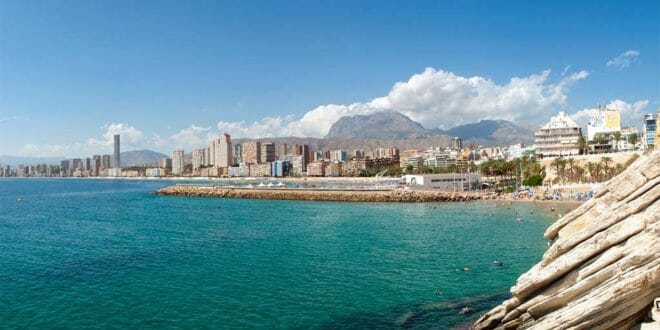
(168, 74)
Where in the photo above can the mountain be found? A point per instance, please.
(392, 125)
(380, 125)
(492, 132)
(140, 157)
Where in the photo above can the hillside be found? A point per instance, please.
(381, 125)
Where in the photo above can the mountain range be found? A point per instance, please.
(392, 125)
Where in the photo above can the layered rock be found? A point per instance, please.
(602, 270)
(391, 195)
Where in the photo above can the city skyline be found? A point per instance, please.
(295, 77)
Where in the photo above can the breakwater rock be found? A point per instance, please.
(602, 270)
(392, 195)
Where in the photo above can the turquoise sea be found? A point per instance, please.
(109, 253)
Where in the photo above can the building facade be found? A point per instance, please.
(251, 152)
(558, 138)
(177, 162)
(223, 151)
(198, 159)
(117, 150)
(268, 152)
(444, 182)
(649, 130)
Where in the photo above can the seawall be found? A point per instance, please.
(346, 195)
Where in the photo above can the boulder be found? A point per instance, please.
(602, 270)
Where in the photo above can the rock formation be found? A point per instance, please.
(602, 270)
(347, 195)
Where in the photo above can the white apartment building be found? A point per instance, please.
(177, 162)
(557, 138)
(223, 151)
(198, 159)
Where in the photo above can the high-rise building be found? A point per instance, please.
(251, 152)
(64, 167)
(117, 152)
(381, 153)
(77, 164)
(207, 156)
(557, 138)
(268, 152)
(223, 151)
(303, 150)
(338, 156)
(198, 158)
(211, 161)
(105, 161)
(649, 129)
(177, 162)
(283, 151)
(96, 165)
(236, 154)
(88, 164)
(165, 163)
(457, 143)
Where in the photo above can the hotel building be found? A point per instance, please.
(557, 138)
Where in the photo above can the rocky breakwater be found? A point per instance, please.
(602, 270)
(393, 195)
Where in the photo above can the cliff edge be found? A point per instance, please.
(602, 270)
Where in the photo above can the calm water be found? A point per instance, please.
(94, 253)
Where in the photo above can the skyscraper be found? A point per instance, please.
(117, 160)
(237, 153)
(105, 161)
(223, 151)
(268, 152)
(198, 158)
(283, 150)
(251, 152)
(303, 150)
(177, 162)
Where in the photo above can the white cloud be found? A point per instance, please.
(436, 98)
(190, 137)
(624, 60)
(131, 138)
(631, 113)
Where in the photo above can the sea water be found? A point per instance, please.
(110, 253)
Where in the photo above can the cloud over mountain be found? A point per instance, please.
(435, 98)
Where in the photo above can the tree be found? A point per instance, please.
(599, 140)
(583, 145)
(632, 138)
(606, 161)
(617, 137)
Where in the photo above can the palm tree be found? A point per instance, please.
(599, 140)
(571, 169)
(582, 144)
(593, 174)
(606, 161)
(617, 137)
(632, 138)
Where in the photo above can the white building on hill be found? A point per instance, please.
(557, 138)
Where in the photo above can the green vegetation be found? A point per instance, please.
(568, 170)
(510, 173)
